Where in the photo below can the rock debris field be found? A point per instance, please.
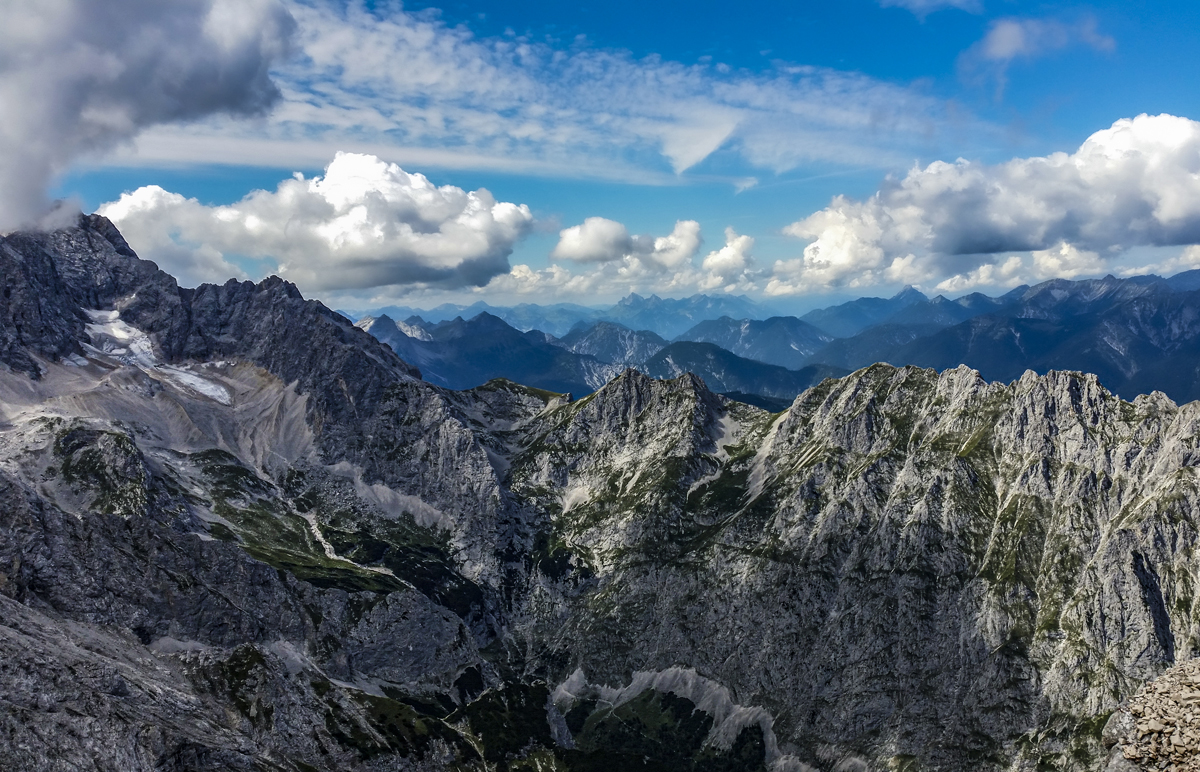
(1166, 722)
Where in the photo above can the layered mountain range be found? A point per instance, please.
(665, 316)
(1137, 335)
(239, 533)
(462, 354)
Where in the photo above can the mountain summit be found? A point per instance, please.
(238, 533)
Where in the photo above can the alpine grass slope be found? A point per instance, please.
(238, 533)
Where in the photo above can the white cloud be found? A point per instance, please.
(1010, 39)
(79, 76)
(595, 240)
(729, 265)
(365, 223)
(1063, 261)
(1186, 260)
(1008, 273)
(922, 8)
(1136, 183)
(407, 86)
(676, 249)
(598, 240)
(663, 264)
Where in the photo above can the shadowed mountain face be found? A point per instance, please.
(1136, 335)
(880, 343)
(784, 341)
(237, 533)
(852, 317)
(726, 372)
(462, 354)
(615, 343)
(1093, 325)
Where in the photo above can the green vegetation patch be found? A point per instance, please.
(270, 531)
(108, 463)
(416, 555)
(376, 726)
(656, 731)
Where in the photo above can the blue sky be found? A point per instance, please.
(648, 115)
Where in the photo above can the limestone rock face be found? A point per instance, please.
(237, 532)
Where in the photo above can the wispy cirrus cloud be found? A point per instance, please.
(922, 8)
(1013, 39)
(412, 89)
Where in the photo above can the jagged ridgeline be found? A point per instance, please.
(238, 533)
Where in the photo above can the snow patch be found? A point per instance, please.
(116, 339)
(575, 496)
(189, 380)
(728, 430)
(331, 553)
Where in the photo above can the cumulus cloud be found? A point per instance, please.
(729, 265)
(410, 88)
(1005, 273)
(1008, 40)
(595, 240)
(1064, 261)
(79, 76)
(608, 261)
(1186, 260)
(1134, 184)
(922, 8)
(365, 223)
(606, 241)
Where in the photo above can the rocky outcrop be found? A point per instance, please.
(63, 272)
(238, 533)
(1160, 726)
(898, 548)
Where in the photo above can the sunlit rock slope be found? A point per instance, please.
(237, 533)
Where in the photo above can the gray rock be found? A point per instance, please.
(268, 544)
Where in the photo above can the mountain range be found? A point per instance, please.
(1137, 335)
(239, 533)
(666, 317)
(461, 354)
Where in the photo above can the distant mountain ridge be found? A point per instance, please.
(612, 342)
(462, 354)
(1136, 334)
(664, 316)
(725, 372)
(781, 340)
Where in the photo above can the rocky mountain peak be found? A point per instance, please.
(252, 529)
